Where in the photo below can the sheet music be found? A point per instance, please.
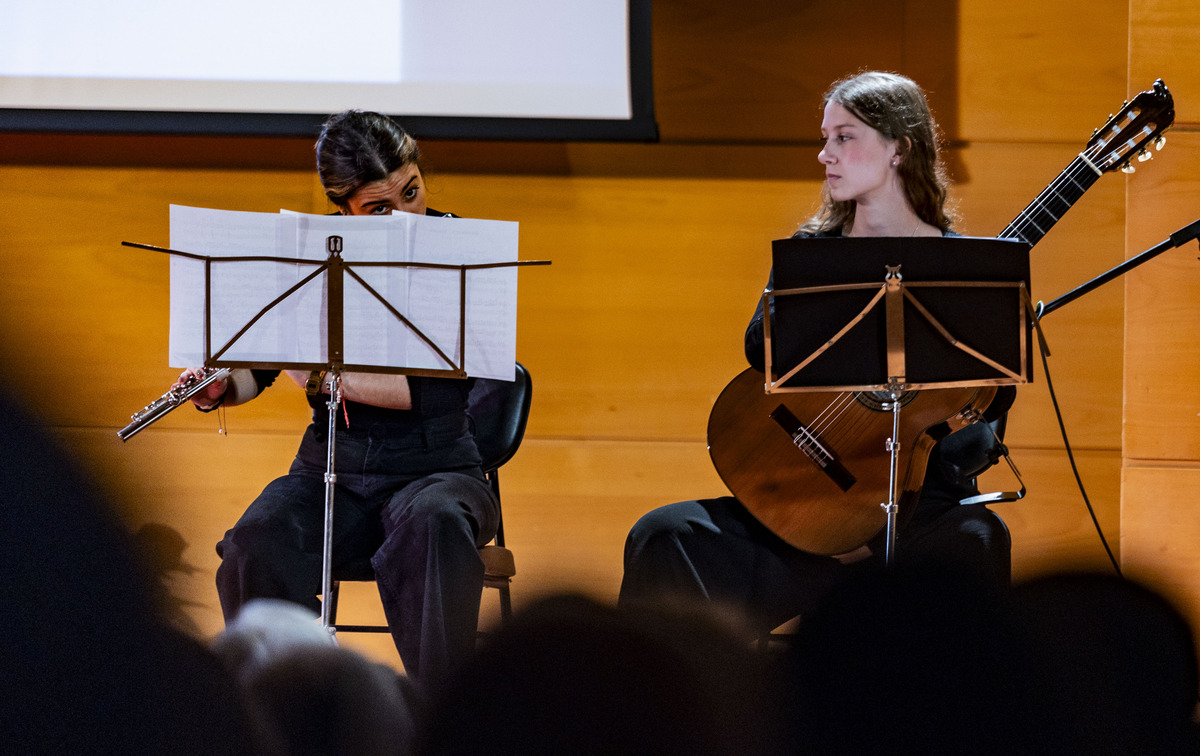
(491, 321)
(295, 329)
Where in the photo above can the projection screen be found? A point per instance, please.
(479, 69)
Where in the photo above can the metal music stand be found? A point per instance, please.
(335, 268)
(887, 317)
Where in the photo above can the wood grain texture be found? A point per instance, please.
(569, 504)
(1162, 44)
(1161, 476)
(822, 489)
(1162, 413)
(639, 321)
(1052, 529)
(188, 487)
(732, 73)
(1031, 71)
(1160, 532)
(659, 251)
(85, 320)
(1084, 337)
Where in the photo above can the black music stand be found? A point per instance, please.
(334, 267)
(889, 316)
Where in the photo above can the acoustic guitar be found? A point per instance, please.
(813, 467)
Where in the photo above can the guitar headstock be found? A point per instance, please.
(1127, 134)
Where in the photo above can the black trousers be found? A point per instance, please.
(714, 550)
(414, 508)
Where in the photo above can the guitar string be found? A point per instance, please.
(828, 416)
(821, 423)
(858, 421)
(1082, 165)
(822, 420)
(1079, 174)
(1078, 167)
(1025, 218)
(824, 424)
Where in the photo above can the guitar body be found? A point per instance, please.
(821, 487)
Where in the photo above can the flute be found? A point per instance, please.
(174, 397)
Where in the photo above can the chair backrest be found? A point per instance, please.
(500, 410)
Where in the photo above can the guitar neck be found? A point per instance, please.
(1036, 220)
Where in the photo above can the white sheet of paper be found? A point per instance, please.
(295, 331)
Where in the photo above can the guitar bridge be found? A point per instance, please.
(813, 447)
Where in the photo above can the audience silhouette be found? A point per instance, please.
(1118, 657)
(916, 658)
(91, 666)
(307, 694)
(573, 675)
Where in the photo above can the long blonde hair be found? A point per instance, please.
(894, 106)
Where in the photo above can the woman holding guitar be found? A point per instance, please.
(883, 178)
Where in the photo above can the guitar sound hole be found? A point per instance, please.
(881, 401)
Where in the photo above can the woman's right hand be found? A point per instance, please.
(207, 398)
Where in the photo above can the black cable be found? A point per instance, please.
(1074, 468)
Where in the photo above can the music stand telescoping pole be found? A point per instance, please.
(335, 267)
(887, 317)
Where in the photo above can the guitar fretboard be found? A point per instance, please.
(1053, 203)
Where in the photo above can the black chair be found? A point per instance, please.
(499, 411)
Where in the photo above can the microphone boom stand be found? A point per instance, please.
(1177, 239)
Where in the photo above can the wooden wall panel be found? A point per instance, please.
(1162, 418)
(1028, 71)
(733, 73)
(1085, 336)
(1033, 71)
(85, 320)
(1160, 532)
(1051, 528)
(1162, 44)
(185, 488)
(659, 251)
(679, 258)
(638, 323)
(569, 528)
(569, 504)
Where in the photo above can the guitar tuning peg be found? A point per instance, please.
(1127, 168)
(1143, 155)
(1158, 143)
